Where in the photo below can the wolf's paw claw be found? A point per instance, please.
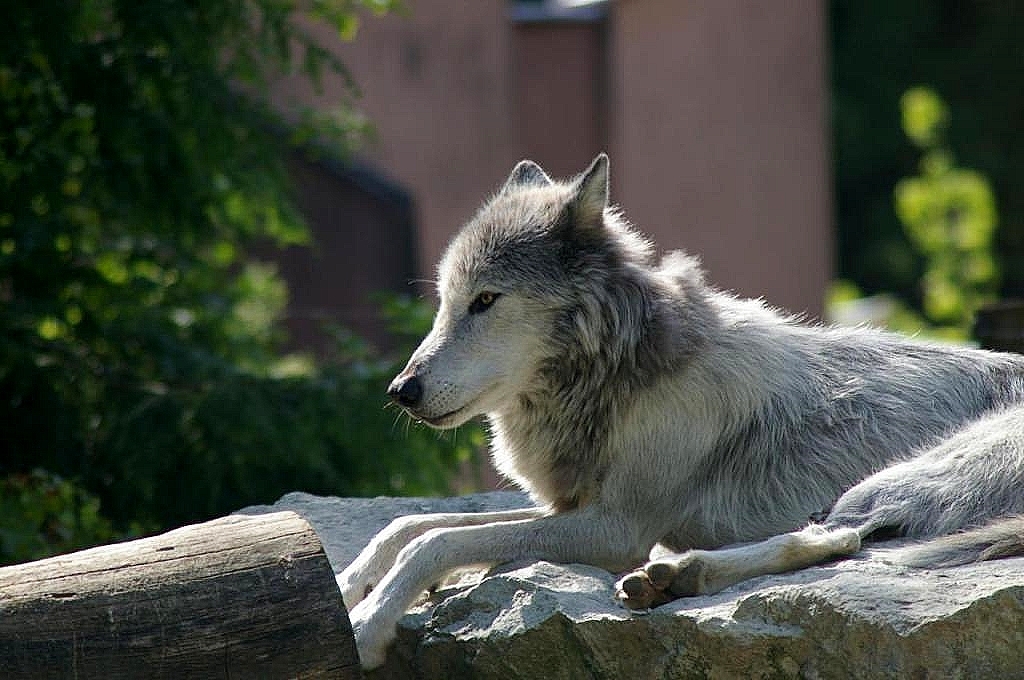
(662, 581)
(660, 574)
(353, 588)
(637, 591)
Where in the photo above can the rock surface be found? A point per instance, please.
(858, 618)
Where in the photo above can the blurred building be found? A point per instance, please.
(714, 114)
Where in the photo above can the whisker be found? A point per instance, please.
(394, 423)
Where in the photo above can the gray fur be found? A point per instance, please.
(1000, 538)
(526, 173)
(639, 406)
(968, 489)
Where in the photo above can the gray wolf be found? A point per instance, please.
(641, 407)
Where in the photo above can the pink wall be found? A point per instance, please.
(714, 114)
(435, 84)
(558, 94)
(719, 141)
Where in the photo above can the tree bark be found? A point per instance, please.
(238, 597)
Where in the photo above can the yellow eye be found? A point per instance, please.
(482, 302)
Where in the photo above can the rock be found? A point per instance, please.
(346, 525)
(857, 618)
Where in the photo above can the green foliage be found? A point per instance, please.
(139, 348)
(949, 217)
(925, 116)
(173, 456)
(41, 513)
(968, 51)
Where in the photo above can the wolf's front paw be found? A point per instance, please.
(662, 581)
(355, 583)
(372, 636)
(376, 559)
(637, 591)
(359, 579)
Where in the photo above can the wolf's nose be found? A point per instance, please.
(406, 391)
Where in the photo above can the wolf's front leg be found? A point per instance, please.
(588, 536)
(374, 561)
(703, 572)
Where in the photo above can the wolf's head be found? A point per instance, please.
(537, 279)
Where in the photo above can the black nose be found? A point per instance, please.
(406, 390)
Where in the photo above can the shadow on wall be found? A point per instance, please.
(363, 243)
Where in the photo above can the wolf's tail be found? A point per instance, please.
(1002, 538)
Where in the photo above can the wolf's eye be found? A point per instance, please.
(482, 302)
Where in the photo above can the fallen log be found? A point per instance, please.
(237, 597)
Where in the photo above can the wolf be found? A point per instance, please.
(642, 409)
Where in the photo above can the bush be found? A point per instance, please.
(203, 450)
(949, 219)
(41, 513)
(140, 353)
(969, 52)
(163, 455)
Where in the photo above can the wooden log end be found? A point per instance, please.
(241, 596)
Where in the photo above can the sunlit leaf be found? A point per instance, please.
(49, 328)
(924, 115)
(111, 266)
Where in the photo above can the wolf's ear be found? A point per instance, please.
(591, 196)
(526, 173)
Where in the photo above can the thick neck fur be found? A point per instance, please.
(629, 324)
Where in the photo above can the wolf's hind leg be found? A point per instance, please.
(370, 566)
(703, 572)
